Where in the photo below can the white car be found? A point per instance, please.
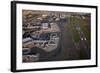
(83, 39)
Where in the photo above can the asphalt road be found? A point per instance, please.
(68, 50)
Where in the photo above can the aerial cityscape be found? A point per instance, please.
(55, 36)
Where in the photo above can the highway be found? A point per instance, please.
(67, 50)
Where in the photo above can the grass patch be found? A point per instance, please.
(71, 26)
(84, 25)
